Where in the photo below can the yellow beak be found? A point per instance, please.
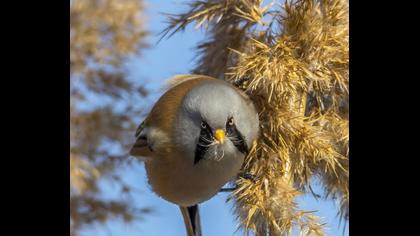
(219, 135)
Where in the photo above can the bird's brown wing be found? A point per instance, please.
(139, 129)
(141, 147)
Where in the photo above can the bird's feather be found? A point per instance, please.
(178, 79)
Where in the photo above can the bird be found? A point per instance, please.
(194, 141)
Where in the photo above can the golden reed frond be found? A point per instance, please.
(103, 34)
(292, 60)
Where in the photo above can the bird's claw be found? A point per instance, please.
(248, 176)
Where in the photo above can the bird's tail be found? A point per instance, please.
(192, 220)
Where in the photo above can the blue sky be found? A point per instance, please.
(156, 64)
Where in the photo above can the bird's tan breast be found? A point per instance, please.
(185, 183)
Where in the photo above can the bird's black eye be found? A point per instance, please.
(203, 125)
(230, 126)
(229, 122)
(205, 128)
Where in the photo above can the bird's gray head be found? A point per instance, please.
(215, 121)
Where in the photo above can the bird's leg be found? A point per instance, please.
(248, 176)
(240, 81)
(228, 189)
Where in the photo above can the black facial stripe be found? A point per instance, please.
(236, 138)
(204, 140)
